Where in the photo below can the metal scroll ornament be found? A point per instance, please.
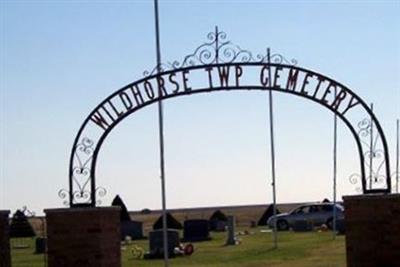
(374, 159)
(218, 50)
(81, 175)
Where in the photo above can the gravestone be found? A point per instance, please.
(156, 244)
(40, 245)
(134, 229)
(5, 256)
(84, 236)
(340, 226)
(196, 230)
(231, 231)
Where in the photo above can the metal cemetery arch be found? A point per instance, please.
(220, 65)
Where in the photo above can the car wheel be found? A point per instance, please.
(282, 225)
(329, 223)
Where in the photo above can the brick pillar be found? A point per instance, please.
(5, 257)
(87, 237)
(372, 230)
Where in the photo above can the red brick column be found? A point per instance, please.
(372, 230)
(5, 257)
(87, 237)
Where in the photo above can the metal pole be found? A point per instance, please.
(271, 127)
(161, 135)
(216, 45)
(371, 148)
(397, 156)
(334, 172)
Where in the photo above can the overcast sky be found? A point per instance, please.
(59, 59)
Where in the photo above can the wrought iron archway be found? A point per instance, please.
(220, 65)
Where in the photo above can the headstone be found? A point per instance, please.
(83, 237)
(134, 229)
(231, 231)
(196, 230)
(5, 256)
(156, 243)
(372, 230)
(340, 226)
(302, 226)
(40, 245)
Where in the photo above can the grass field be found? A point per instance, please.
(316, 249)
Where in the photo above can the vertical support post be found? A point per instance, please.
(271, 127)
(371, 149)
(5, 254)
(71, 195)
(334, 172)
(161, 137)
(397, 155)
(216, 45)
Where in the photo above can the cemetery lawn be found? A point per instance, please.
(295, 250)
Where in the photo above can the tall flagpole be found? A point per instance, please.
(161, 135)
(334, 172)
(271, 127)
(397, 155)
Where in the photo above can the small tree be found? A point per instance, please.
(172, 223)
(117, 202)
(20, 226)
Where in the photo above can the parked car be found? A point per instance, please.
(317, 214)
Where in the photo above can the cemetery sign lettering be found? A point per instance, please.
(220, 65)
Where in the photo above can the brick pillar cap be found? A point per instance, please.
(82, 209)
(372, 196)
